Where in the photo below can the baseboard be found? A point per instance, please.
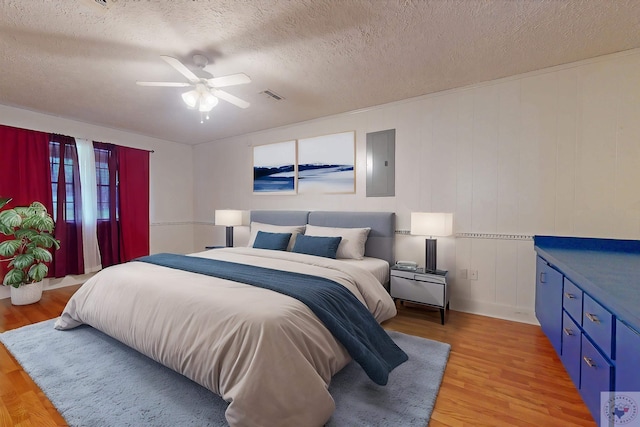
(499, 311)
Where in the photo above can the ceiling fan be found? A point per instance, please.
(205, 93)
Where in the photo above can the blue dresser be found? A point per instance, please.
(588, 305)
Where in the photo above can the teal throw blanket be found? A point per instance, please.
(341, 312)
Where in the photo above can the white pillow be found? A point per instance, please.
(270, 228)
(352, 243)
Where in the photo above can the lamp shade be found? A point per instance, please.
(431, 224)
(228, 217)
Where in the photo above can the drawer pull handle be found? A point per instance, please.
(569, 296)
(568, 331)
(543, 277)
(589, 361)
(592, 317)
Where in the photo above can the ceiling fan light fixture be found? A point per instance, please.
(204, 94)
(205, 108)
(191, 98)
(207, 101)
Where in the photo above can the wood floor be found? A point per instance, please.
(499, 373)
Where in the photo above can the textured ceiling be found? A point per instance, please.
(78, 61)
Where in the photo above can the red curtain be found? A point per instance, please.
(65, 175)
(123, 196)
(133, 179)
(108, 224)
(24, 169)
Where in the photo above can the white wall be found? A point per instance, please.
(555, 151)
(171, 180)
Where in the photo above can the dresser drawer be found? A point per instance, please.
(572, 300)
(597, 322)
(571, 348)
(417, 290)
(595, 377)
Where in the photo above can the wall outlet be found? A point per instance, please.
(473, 274)
(463, 274)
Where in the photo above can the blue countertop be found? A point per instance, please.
(606, 269)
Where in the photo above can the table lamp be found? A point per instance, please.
(228, 218)
(431, 224)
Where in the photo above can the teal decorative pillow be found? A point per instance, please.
(273, 241)
(318, 246)
(269, 228)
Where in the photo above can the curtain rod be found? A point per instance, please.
(69, 136)
(90, 139)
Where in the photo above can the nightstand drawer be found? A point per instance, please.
(419, 275)
(418, 290)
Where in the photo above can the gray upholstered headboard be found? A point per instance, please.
(280, 217)
(381, 237)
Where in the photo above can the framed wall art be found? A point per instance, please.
(274, 168)
(326, 164)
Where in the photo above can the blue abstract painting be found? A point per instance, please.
(326, 164)
(274, 168)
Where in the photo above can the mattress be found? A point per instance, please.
(379, 268)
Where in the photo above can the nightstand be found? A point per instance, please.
(428, 288)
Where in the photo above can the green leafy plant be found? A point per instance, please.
(28, 251)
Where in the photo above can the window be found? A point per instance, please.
(103, 181)
(67, 180)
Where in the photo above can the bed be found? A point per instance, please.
(267, 353)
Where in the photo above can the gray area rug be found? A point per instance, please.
(94, 380)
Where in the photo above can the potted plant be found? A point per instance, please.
(27, 250)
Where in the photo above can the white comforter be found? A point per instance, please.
(264, 352)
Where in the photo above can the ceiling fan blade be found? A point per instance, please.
(181, 68)
(230, 80)
(230, 98)
(164, 84)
